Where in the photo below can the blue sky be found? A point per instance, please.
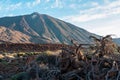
(98, 16)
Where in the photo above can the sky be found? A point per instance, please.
(101, 17)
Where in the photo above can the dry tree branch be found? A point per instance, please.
(113, 70)
(118, 76)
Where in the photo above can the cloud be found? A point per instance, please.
(73, 6)
(13, 6)
(106, 1)
(90, 4)
(98, 12)
(32, 4)
(75, 0)
(0, 8)
(36, 2)
(10, 15)
(111, 28)
(47, 0)
(84, 17)
(101, 19)
(103, 27)
(57, 4)
(94, 4)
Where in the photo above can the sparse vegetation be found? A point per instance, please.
(101, 62)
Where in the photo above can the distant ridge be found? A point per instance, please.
(117, 40)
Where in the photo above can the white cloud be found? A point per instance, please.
(106, 1)
(94, 4)
(90, 4)
(47, 0)
(103, 27)
(102, 20)
(97, 12)
(34, 3)
(84, 17)
(10, 15)
(0, 8)
(109, 29)
(73, 6)
(57, 4)
(75, 0)
(13, 6)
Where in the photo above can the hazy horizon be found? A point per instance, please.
(101, 17)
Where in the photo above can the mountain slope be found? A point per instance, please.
(41, 28)
(13, 36)
(117, 40)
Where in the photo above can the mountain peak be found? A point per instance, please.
(35, 13)
(42, 28)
